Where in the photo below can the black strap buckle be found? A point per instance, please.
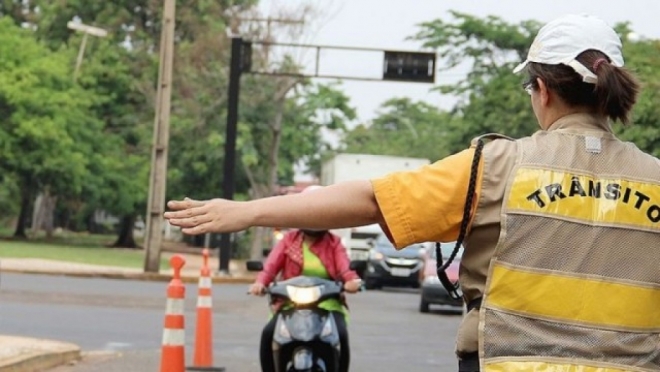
(454, 289)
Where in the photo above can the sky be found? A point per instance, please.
(385, 24)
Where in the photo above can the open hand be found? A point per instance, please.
(204, 216)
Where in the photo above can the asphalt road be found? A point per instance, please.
(119, 324)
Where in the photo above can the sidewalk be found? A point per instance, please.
(190, 272)
(20, 354)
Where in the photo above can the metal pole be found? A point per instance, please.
(81, 53)
(230, 144)
(158, 176)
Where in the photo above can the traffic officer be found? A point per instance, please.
(562, 228)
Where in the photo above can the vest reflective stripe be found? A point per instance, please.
(548, 367)
(602, 201)
(558, 297)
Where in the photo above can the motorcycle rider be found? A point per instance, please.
(308, 252)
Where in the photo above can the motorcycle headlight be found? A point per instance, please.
(303, 295)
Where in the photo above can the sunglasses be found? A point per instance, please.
(529, 85)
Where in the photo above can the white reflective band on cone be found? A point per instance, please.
(204, 301)
(173, 337)
(204, 282)
(174, 307)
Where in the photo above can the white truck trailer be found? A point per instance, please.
(350, 167)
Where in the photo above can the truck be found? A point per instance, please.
(350, 167)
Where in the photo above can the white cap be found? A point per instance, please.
(562, 40)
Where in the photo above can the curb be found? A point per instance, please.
(40, 360)
(132, 276)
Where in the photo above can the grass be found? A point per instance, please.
(72, 247)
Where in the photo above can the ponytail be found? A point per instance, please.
(616, 91)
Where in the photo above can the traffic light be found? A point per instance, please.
(416, 67)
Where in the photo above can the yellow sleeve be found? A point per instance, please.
(426, 205)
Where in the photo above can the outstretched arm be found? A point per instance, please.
(345, 204)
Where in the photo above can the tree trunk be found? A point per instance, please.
(44, 212)
(48, 220)
(37, 212)
(126, 238)
(257, 249)
(21, 224)
(273, 156)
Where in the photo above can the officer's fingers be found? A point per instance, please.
(186, 203)
(203, 228)
(191, 221)
(187, 213)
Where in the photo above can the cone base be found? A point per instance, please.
(206, 369)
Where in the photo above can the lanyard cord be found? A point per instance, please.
(453, 288)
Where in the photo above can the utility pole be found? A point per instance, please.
(158, 174)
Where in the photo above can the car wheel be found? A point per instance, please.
(371, 284)
(423, 306)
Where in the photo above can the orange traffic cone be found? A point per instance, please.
(203, 360)
(172, 357)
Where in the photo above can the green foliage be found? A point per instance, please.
(403, 128)
(315, 110)
(642, 58)
(47, 133)
(492, 99)
(308, 111)
(93, 255)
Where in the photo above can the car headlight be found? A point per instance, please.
(431, 279)
(303, 295)
(376, 256)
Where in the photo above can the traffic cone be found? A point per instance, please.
(203, 360)
(172, 357)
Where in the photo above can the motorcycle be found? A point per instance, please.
(306, 337)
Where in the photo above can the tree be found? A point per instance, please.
(47, 132)
(277, 133)
(403, 128)
(642, 58)
(490, 100)
(122, 69)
